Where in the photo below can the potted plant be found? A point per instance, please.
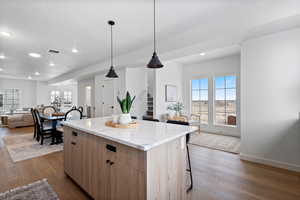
(125, 105)
(176, 107)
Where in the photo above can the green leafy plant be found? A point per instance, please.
(126, 103)
(178, 107)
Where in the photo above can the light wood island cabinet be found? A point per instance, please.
(114, 164)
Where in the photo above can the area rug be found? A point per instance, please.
(218, 142)
(40, 190)
(23, 147)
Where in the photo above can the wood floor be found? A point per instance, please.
(217, 176)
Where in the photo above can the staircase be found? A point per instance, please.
(149, 112)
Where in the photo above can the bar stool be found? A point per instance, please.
(188, 136)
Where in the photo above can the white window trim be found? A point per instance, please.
(68, 95)
(214, 96)
(191, 97)
(55, 94)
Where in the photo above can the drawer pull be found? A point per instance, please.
(107, 161)
(111, 163)
(111, 148)
(74, 133)
(74, 143)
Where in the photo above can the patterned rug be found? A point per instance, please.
(24, 147)
(40, 190)
(218, 142)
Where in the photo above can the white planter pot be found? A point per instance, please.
(171, 113)
(125, 118)
(115, 119)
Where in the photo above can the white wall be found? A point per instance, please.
(270, 99)
(119, 86)
(81, 85)
(229, 65)
(133, 80)
(136, 84)
(170, 74)
(36, 92)
(27, 88)
(43, 92)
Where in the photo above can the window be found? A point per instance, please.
(200, 100)
(9, 99)
(54, 96)
(225, 100)
(67, 97)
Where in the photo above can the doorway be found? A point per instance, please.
(106, 98)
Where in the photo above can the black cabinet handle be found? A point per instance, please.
(110, 162)
(74, 133)
(74, 143)
(111, 148)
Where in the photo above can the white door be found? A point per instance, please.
(106, 98)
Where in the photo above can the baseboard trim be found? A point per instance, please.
(220, 132)
(273, 163)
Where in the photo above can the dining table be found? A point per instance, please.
(53, 119)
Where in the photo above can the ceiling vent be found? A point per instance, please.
(53, 51)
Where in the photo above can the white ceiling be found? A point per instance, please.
(216, 53)
(37, 26)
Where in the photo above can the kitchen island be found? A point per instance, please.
(143, 163)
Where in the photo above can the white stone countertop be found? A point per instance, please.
(145, 136)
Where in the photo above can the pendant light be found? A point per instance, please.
(111, 73)
(154, 62)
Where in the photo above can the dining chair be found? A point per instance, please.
(45, 133)
(187, 147)
(35, 123)
(48, 110)
(73, 114)
(80, 108)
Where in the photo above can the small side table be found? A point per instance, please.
(178, 118)
(4, 119)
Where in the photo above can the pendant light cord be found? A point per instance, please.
(111, 46)
(154, 27)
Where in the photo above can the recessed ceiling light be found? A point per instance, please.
(202, 54)
(5, 34)
(37, 73)
(35, 55)
(29, 77)
(2, 56)
(74, 50)
(51, 64)
(1, 69)
(53, 51)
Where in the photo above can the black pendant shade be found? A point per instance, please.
(154, 62)
(111, 73)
